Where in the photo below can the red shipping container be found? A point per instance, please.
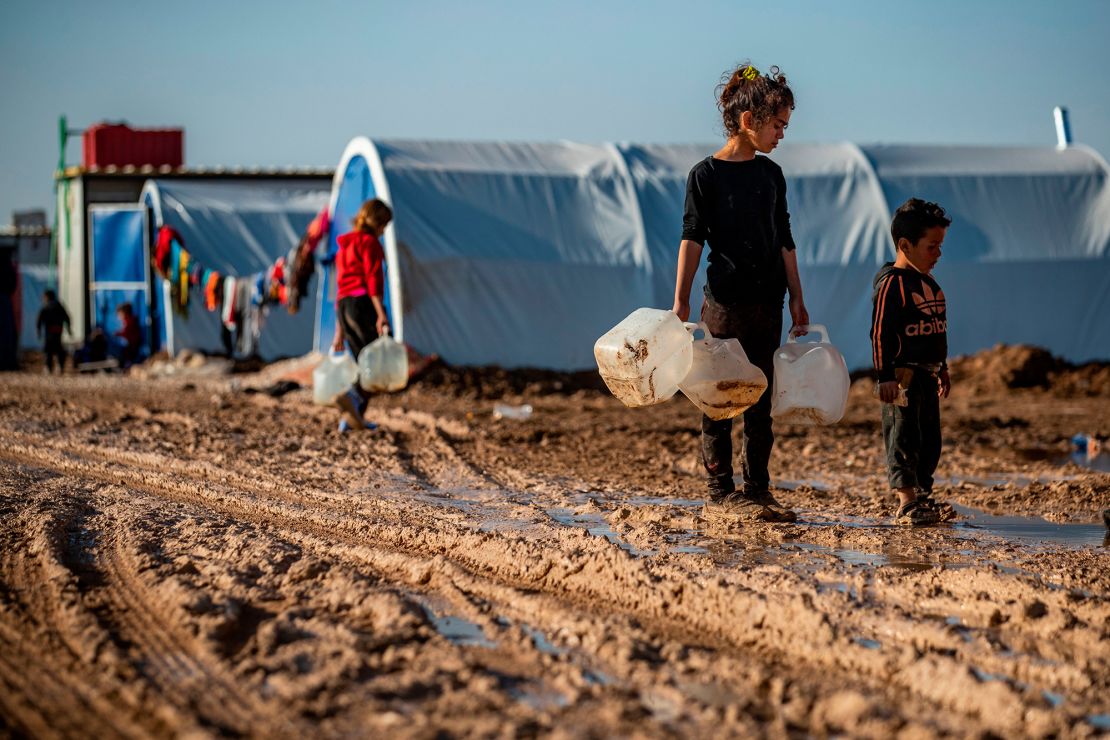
(116, 144)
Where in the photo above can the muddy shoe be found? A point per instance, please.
(782, 513)
(350, 403)
(738, 507)
(944, 510)
(916, 514)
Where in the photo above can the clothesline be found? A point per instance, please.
(242, 300)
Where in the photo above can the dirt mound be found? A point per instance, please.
(1014, 366)
(495, 382)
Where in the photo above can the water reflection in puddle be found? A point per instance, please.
(1101, 721)
(1031, 529)
(596, 525)
(458, 630)
(1054, 700)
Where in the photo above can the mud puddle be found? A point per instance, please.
(456, 629)
(596, 525)
(1032, 530)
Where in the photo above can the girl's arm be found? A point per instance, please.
(383, 318)
(689, 255)
(798, 313)
(337, 342)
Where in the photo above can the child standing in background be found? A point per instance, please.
(909, 342)
(52, 321)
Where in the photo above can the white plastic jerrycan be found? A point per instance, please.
(722, 382)
(383, 365)
(332, 376)
(811, 381)
(644, 358)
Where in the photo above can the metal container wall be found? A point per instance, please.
(108, 144)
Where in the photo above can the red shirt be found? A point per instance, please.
(359, 265)
(131, 332)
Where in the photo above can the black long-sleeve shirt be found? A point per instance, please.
(909, 321)
(53, 318)
(739, 208)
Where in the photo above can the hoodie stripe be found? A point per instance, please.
(876, 327)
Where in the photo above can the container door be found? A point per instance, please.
(118, 267)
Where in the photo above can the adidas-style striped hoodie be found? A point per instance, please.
(909, 325)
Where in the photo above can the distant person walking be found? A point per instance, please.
(52, 321)
(360, 311)
(736, 203)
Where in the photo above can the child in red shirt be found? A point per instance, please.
(131, 334)
(360, 311)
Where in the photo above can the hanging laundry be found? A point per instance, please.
(227, 315)
(183, 279)
(303, 264)
(212, 292)
(166, 236)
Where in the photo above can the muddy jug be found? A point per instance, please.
(722, 382)
(383, 365)
(811, 381)
(644, 358)
(332, 376)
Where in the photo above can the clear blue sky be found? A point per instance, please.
(285, 83)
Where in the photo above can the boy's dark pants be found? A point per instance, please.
(759, 329)
(53, 348)
(911, 434)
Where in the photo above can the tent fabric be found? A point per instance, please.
(238, 229)
(522, 254)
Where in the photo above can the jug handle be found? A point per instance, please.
(812, 329)
(706, 334)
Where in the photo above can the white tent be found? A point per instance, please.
(523, 254)
(237, 229)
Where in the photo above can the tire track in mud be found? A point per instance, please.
(70, 667)
(178, 665)
(575, 579)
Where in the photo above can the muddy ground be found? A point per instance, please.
(181, 555)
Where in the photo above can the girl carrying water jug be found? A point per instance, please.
(736, 203)
(360, 315)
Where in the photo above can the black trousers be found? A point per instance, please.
(759, 329)
(911, 434)
(359, 320)
(53, 349)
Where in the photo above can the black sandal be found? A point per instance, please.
(916, 514)
(943, 509)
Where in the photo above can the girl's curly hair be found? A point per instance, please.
(747, 89)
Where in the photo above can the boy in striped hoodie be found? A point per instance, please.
(909, 342)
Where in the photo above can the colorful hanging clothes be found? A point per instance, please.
(227, 315)
(302, 265)
(212, 293)
(163, 247)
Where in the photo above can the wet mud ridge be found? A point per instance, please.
(178, 557)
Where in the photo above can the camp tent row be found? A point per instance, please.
(235, 223)
(522, 254)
